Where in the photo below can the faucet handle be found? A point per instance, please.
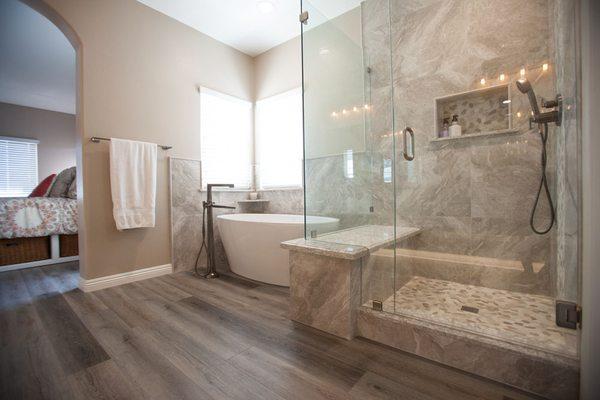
(549, 103)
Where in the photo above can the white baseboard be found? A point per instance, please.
(39, 263)
(90, 285)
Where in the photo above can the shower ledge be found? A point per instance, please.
(352, 243)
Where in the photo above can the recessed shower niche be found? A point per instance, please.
(481, 112)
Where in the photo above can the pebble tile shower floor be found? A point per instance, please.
(510, 316)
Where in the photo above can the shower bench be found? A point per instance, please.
(325, 274)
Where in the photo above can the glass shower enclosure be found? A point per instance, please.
(445, 207)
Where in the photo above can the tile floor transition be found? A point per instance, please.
(514, 317)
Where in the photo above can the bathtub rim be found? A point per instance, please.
(314, 220)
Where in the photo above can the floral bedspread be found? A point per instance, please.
(37, 216)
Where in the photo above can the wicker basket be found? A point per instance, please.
(21, 250)
(69, 245)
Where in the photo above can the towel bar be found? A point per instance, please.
(97, 139)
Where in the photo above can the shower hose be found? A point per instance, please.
(543, 185)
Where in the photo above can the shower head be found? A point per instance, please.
(525, 87)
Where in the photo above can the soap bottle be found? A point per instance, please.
(444, 131)
(455, 129)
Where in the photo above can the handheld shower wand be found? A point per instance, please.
(525, 87)
(542, 119)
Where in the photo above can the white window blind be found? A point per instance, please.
(279, 140)
(226, 139)
(348, 164)
(18, 166)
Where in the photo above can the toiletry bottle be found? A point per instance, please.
(455, 129)
(444, 131)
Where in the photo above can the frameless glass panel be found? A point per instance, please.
(336, 166)
(349, 143)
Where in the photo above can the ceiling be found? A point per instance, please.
(37, 62)
(242, 25)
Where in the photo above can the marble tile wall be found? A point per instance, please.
(567, 152)
(332, 194)
(186, 213)
(471, 196)
(325, 292)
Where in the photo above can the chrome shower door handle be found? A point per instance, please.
(408, 130)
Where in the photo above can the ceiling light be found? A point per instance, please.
(265, 6)
(324, 51)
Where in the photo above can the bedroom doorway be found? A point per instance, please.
(41, 204)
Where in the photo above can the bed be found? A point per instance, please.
(37, 231)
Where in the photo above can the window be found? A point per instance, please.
(18, 166)
(348, 164)
(279, 140)
(387, 170)
(226, 139)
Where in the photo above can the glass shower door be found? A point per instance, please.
(476, 264)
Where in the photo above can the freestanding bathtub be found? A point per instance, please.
(252, 243)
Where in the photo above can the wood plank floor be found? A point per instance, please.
(179, 337)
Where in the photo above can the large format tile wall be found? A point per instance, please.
(471, 196)
(568, 142)
(186, 213)
(332, 194)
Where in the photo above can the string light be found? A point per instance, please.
(545, 67)
(367, 107)
(344, 111)
(522, 73)
(502, 77)
(355, 109)
(519, 114)
(482, 81)
(334, 114)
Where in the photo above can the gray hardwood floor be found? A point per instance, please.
(179, 337)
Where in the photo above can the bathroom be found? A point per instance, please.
(377, 199)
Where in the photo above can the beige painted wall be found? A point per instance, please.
(55, 131)
(138, 74)
(278, 69)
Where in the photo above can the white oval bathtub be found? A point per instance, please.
(252, 243)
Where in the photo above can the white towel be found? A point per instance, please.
(133, 183)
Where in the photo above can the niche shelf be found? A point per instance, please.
(499, 132)
(481, 112)
(253, 201)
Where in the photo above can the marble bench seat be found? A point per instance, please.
(325, 274)
(352, 243)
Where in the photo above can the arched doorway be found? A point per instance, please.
(49, 104)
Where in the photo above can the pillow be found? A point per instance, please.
(62, 183)
(72, 192)
(43, 188)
